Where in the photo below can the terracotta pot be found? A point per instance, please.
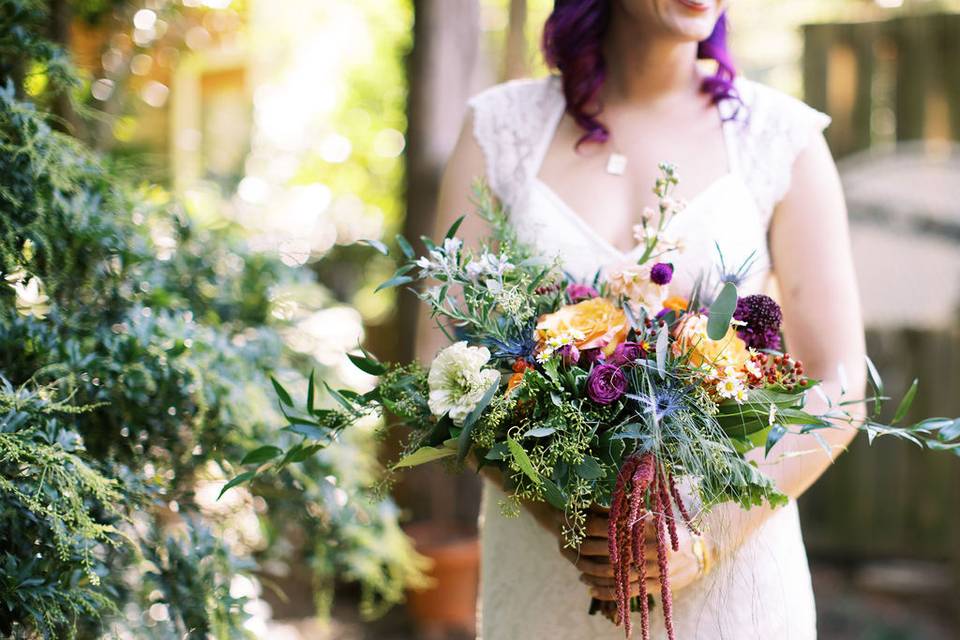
(450, 604)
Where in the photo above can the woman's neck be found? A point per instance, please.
(644, 68)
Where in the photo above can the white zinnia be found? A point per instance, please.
(457, 380)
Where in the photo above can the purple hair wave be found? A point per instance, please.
(573, 45)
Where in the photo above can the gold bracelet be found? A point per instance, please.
(703, 555)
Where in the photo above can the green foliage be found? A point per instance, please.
(138, 386)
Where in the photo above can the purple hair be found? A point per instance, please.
(573, 45)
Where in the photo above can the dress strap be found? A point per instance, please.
(512, 124)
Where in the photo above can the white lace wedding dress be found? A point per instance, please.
(762, 590)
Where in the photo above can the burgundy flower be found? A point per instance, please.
(606, 384)
(580, 292)
(661, 273)
(626, 353)
(588, 357)
(762, 317)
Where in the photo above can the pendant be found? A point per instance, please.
(616, 164)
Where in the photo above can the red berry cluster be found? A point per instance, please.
(545, 289)
(775, 370)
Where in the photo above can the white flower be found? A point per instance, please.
(15, 276)
(772, 418)
(452, 245)
(488, 264)
(731, 385)
(31, 300)
(457, 380)
(633, 282)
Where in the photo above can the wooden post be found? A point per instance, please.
(440, 72)
(515, 56)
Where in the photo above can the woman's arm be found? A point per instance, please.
(810, 249)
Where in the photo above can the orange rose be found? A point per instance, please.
(591, 324)
(729, 351)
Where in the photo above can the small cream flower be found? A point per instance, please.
(457, 380)
(31, 300)
(15, 276)
(633, 282)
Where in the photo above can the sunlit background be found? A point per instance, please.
(319, 123)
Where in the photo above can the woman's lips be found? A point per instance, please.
(695, 5)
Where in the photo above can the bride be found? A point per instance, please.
(573, 156)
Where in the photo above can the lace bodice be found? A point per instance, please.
(762, 590)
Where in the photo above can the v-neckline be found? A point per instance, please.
(553, 125)
(590, 231)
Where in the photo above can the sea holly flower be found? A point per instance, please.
(457, 380)
(31, 299)
(606, 384)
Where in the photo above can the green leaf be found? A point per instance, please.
(281, 392)
(875, 380)
(497, 451)
(904, 405)
(309, 431)
(553, 494)
(523, 460)
(398, 281)
(951, 432)
(590, 469)
(376, 244)
(405, 247)
(341, 399)
(240, 479)
(452, 231)
(777, 432)
(539, 432)
(422, 456)
(663, 342)
(367, 364)
(310, 391)
(721, 312)
(261, 454)
(463, 446)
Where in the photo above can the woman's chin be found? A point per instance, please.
(691, 19)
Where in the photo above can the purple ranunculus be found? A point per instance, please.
(569, 354)
(661, 273)
(580, 292)
(626, 353)
(606, 384)
(762, 317)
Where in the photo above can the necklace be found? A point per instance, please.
(616, 164)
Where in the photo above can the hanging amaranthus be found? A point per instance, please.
(644, 491)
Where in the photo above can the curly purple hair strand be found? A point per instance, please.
(573, 45)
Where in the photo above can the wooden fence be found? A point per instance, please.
(886, 81)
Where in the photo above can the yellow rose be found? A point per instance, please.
(729, 351)
(592, 324)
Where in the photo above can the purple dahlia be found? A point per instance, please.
(762, 317)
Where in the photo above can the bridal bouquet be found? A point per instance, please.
(593, 393)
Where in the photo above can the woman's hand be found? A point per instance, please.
(592, 559)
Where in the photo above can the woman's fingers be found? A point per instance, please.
(609, 593)
(595, 547)
(597, 525)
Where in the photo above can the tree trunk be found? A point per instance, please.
(515, 57)
(440, 70)
(61, 17)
